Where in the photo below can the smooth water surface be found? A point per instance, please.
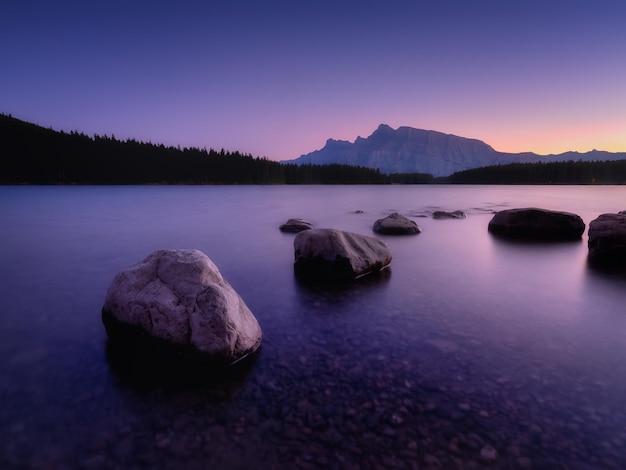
(470, 352)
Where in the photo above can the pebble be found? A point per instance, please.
(488, 453)
(396, 420)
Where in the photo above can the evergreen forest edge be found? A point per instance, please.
(32, 154)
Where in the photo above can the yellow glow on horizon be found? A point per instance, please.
(609, 137)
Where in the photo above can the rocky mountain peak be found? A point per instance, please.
(411, 150)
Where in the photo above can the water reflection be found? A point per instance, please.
(148, 369)
(337, 290)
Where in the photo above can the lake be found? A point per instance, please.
(469, 352)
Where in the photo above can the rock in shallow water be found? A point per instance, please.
(296, 226)
(607, 240)
(178, 300)
(335, 255)
(396, 224)
(537, 224)
(458, 214)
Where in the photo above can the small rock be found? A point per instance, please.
(396, 224)
(296, 226)
(449, 215)
(488, 453)
(396, 419)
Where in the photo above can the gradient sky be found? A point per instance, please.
(278, 78)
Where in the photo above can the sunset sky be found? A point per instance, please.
(278, 78)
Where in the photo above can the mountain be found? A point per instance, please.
(409, 150)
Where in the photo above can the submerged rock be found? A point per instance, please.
(539, 224)
(334, 255)
(396, 224)
(449, 215)
(607, 239)
(178, 302)
(296, 225)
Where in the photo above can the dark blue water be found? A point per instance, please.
(470, 351)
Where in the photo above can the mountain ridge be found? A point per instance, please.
(411, 150)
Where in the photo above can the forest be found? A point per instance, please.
(570, 172)
(31, 154)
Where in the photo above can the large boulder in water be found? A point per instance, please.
(396, 224)
(607, 239)
(335, 255)
(178, 301)
(539, 224)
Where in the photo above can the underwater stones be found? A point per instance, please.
(176, 301)
(396, 224)
(335, 255)
(295, 226)
(537, 224)
(607, 239)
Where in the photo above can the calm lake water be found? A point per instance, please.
(470, 352)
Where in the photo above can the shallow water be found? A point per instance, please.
(470, 351)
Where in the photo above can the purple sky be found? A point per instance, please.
(277, 78)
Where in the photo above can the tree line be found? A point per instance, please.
(32, 154)
(570, 172)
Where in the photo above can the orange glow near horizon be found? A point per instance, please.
(607, 137)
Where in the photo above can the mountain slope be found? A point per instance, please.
(409, 150)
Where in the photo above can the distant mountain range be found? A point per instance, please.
(409, 150)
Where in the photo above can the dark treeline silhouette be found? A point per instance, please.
(31, 154)
(411, 178)
(571, 172)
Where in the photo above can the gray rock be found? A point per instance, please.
(296, 225)
(179, 299)
(607, 239)
(539, 224)
(449, 215)
(335, 255)
(622, 212)
(396, 224)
